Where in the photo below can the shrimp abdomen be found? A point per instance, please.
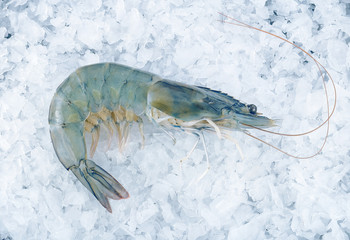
(69, 143)
(92, 78)
(127, 87)
(70, 103)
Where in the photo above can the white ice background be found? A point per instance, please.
(266, 195)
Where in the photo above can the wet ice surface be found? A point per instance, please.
(266, 195)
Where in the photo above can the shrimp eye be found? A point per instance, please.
(226, 110)
(252, 108)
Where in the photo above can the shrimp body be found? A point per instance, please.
(115, 96)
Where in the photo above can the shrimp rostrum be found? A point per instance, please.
(115, 96)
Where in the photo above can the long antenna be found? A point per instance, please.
(319, 66)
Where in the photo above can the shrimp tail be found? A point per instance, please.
(99, 182)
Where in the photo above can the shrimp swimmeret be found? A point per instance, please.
(115, 96)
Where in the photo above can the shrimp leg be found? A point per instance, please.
(206, 157)
(191, 151)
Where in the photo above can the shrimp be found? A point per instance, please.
(115, 96)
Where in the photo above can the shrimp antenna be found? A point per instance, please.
(320, 67)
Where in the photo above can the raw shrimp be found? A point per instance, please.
(115, 96)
